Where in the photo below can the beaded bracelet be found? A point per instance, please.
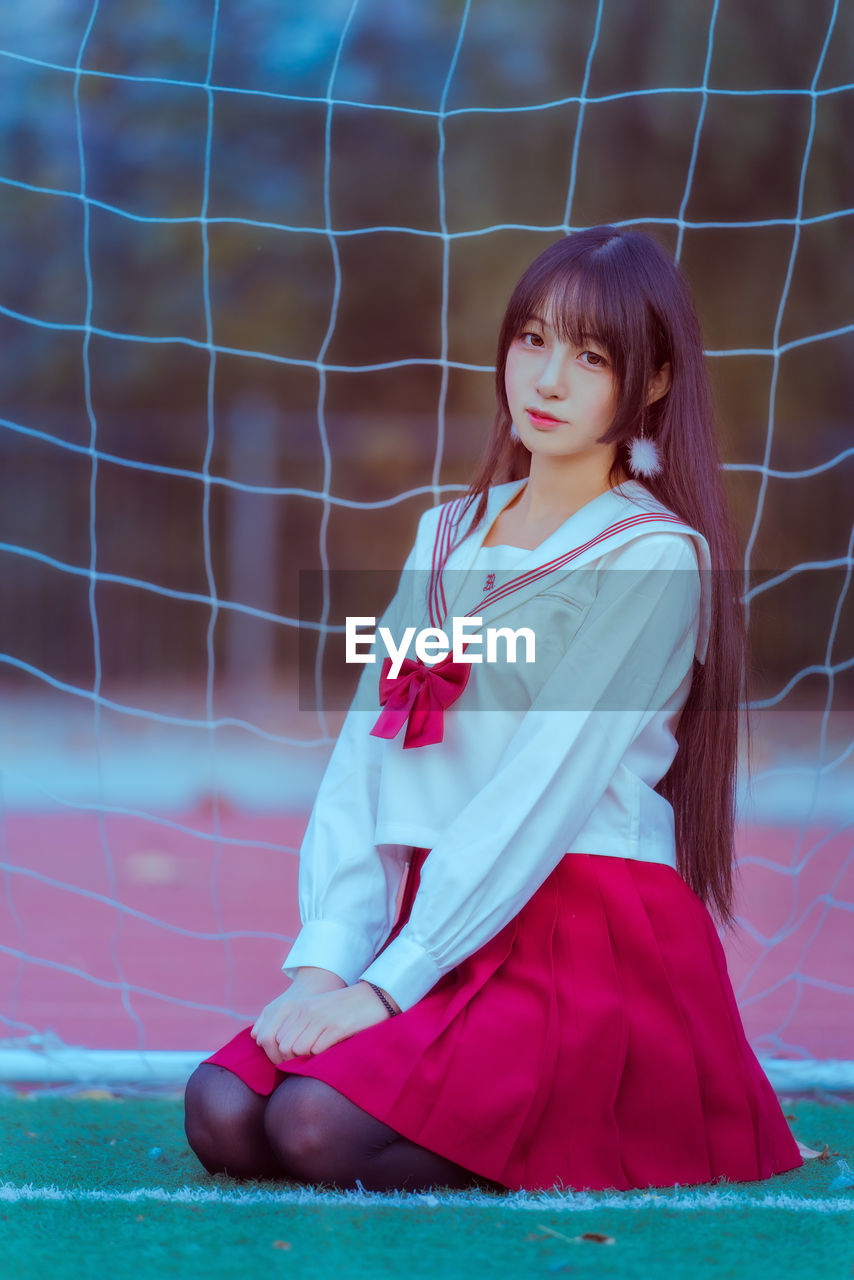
(392, 1011)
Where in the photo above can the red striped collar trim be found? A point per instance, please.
(437, 603)
(551, 566)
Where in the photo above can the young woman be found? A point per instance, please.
(552, 1004)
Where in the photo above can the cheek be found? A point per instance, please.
(607, 399)
(512, 379)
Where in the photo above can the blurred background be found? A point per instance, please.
(255, 259)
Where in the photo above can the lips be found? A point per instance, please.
(540, 418)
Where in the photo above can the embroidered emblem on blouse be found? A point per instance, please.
(490, 582)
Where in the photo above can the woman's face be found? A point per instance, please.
(562, 397)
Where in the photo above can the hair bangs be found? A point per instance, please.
(576, 307)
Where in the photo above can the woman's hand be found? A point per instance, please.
(302, 1023)
(310, 981)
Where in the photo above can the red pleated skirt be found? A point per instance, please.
(593, 1043)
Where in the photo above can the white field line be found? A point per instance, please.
(547, 1202)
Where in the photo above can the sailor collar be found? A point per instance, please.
(606, 522)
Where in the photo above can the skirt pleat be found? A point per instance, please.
(594, 1042)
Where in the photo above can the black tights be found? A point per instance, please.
(308, 1132)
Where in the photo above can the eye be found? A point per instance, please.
(595, 361)
(537, 339)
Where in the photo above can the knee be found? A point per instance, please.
(296, 1123)
(217, 1104)
(200, 1110)
(198, 1096)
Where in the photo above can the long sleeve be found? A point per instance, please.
(347, 884)
(630, 654)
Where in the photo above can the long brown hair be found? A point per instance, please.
(621, 289)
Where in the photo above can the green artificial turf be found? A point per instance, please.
(122, 1145)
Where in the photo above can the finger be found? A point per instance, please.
(267, 1019)
(261, 1024)
(299, 1043)
(270, 1048)
(268, 1038)
(290, 1032)
(281, 1029)
(330, 1036)
(319, 1036)
(325, 1041)
(299, 1048)
(274, 1056)
(303, 1045)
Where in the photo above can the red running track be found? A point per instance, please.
(66, 874)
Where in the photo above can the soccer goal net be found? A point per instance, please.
(255, 260)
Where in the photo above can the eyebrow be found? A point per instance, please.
(588, 337)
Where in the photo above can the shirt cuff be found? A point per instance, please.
(326, 944)
(405, 971)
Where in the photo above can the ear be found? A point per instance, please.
(659, 384)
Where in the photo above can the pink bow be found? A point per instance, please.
(417, 697)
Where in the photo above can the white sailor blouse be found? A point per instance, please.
(508, 766)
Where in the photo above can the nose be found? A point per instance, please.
(551, 377)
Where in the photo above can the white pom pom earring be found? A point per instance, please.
(644, 459)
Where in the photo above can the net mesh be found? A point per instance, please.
(136, 919)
